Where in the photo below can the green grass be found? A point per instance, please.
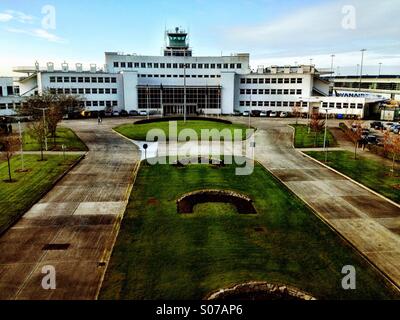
(139, 131)
(371, 173)
(303, 139)
(64, 136)
(160, 254)
(17, 197)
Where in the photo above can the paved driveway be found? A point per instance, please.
(369, 222)
(81, 212)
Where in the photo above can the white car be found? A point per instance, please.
(246, 113)
(263, 114)
(273, 114)
(284, 115)
(115, 113)
(387, 125)
(142, 113)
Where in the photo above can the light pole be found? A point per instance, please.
(380, 69)
(251, 101)
(332, 70)
(184, 91)
(325, 137)
(361, 67)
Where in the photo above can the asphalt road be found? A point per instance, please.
(82, 212)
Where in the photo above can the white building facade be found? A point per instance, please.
(207, 85)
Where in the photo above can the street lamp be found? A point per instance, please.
(325, 136)
(380, 69)
(22, 148)
(332, 70)
(361, 67)
(251, 102)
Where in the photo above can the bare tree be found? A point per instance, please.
(355, 134)
(9, 145)
(37, 131)
(391, 144)
(316, 126)
(55, 106)
(296, 111)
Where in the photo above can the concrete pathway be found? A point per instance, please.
(82, 213)
(366, 220)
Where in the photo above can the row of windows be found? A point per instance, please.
(84, 79)
(10, 91)
(339, 105)
(155, 65)
(269, 104)
(101, 103)
(272, 91)
(4, 106)
(271, 80)
(369, 85)
(83, 90)
(178, 76)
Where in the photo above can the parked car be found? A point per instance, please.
(143, 113)
(396, 129)
(264, 114)
(123, 113)
(115, 114)
(107, 113)
(387, 125)
(284, 115)
(133, 113)
(392, 127)
(376, 125)
(237, 113)
(255, 113)
(273, 114)
(246, 113)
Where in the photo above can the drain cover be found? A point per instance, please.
(56, 246)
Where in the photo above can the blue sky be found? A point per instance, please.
(273, 32)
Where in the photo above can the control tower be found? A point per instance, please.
(177, 44)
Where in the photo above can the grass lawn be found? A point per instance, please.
(371, 173)
(29, 187)
(139, 131)
(65, 136)
(161, 254)
(303, 139)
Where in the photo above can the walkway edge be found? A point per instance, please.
(337, 232)
(352, 180)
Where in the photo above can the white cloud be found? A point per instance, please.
(38, 33)
(5, 17)
(317, 30)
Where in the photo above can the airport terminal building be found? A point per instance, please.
(205, 85)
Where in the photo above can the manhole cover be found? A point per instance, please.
(56, 246)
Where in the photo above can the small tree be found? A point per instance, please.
(355, 134)
(37, 131)
(391, 144)
(316, 126)
(9, 145)
(296, 111)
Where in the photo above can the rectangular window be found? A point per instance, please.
(232, 66)
(67, 91)
(279, 91)
(137, 64)
(239, 66)
(225, 66)
(123, 65)
(280, 80)
(80, 90)
(267, 91)
(143, 65)
(52, 79)
(206, 66)
(286, 91)
(113, 80)
(101, 91)
(260, 91)
(114, 91)
(266, 103)
(254, 91)
(59, 79)
(130, 65)
(219, 66)
(107, 80)
(88, 103)
(293, 80)
(247, 103)
(175, 66)
(108, 91)
(74, 90)
(255, 80)
(242, 91)
(286, 80)
(162, 65)
(60, 91)
(200, 66)
(359, 106)
(260, 103)
(94, 90)
(100, 80)
(73, 79)
(241, 103)
(156, 65)
(325, 105)
(273, 91)
(94, 80)
(261, 81)
(95, 103)
(248, 91)
(299, 92)
(267, 80)
(87, 79)
(331, 105)
(149, 65)
(87, 91)
(300, 80)
(102, 103)
(80, 79)
(242, 80)
(273, 80)
(116, 64)
(248, 81)
(292, 91)
(212, 65)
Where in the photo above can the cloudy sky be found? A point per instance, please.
(273, 32)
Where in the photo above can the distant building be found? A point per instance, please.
(10, 99)
(209, 84)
